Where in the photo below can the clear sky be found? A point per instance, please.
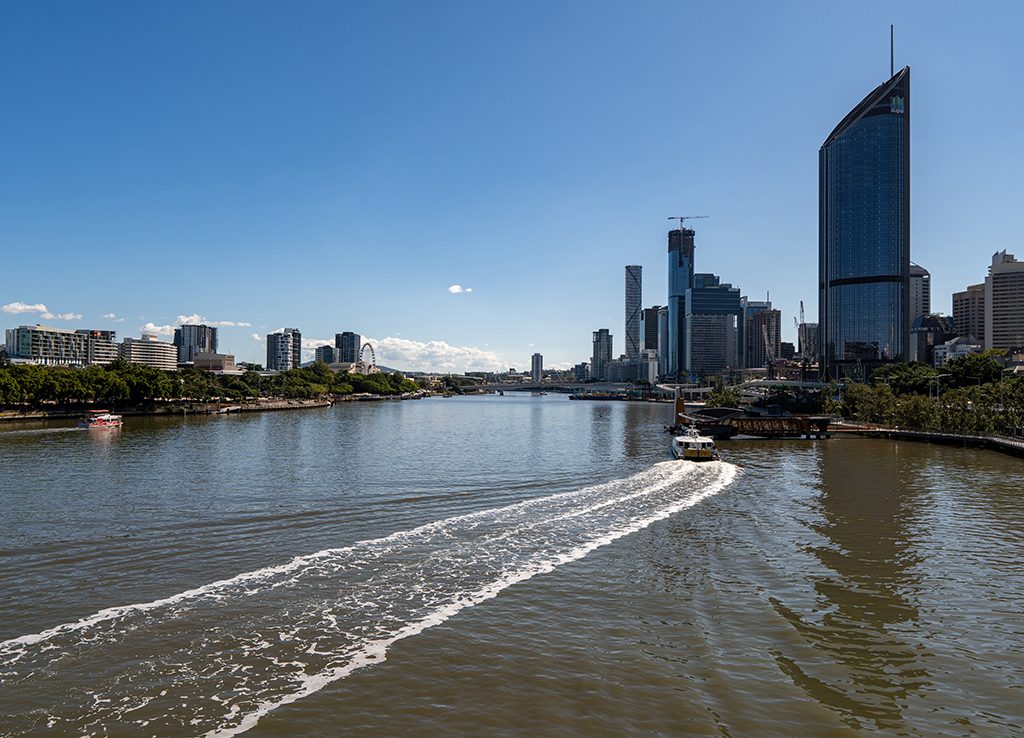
(339, 166)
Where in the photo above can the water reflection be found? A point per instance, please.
(868, 512)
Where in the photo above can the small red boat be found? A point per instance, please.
(100, 419)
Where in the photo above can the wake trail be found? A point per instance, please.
(216, 658)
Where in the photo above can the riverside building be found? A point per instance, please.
(536, 367)
(284, 350)
(1004, 303)
(41, 344)
(150, 352)
(864, 233)
(349, 345)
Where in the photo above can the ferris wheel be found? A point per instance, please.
(364, 366)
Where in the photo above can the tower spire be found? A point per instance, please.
(892, 53)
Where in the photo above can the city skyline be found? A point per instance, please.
(169, 193)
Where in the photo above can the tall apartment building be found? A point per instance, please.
(192, 339)
(536, 367)
(602, 355)
(634, 294)
(151, 352)
(48, 346)
(284, 350)
(349, 344)
(920, 291)
(969, 313)
(864, 233)
(1004, 303)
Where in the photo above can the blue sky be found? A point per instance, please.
(338, 166)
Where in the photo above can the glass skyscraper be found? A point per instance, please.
(680, 279)
(864, 234)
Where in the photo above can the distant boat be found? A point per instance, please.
(100, 419)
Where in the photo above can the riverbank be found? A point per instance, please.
(1002, 444)
(196, 407)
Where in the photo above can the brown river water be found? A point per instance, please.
(502, 566)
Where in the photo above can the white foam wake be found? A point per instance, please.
(217, 658)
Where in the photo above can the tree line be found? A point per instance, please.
(969, 395)
(138, 384)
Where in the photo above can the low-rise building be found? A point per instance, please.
(150, 352)
(215, 362)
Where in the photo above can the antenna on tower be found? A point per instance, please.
(892, 53)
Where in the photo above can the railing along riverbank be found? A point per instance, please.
(1003, 444)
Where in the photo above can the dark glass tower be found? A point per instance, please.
(680, 279)
(864, 234)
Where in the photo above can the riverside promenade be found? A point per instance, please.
(1003, 444)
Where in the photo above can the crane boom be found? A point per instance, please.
(681, 218)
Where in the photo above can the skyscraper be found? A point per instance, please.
(634, 288)
(649, 328)
(711, 327)
(663, 341)
(680, 279)
(537, 367)
(751, 338)
(192, 339)
(602, 355)
(864, 233)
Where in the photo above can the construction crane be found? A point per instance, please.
(802, 321)
(769, 351)
(681, 218)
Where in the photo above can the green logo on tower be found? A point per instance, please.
(896, 104)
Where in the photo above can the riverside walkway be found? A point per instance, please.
(1003, 444)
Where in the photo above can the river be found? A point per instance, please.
(502, 566)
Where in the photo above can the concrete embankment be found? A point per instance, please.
(1003, 444)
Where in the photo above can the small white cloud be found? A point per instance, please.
(255, 336)
(112, 317)
(60, 316)
(458, 289)
(160, 330)
(21, 307)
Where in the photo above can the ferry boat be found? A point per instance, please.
(100, 419)
(692, 446)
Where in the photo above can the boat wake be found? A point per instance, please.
(215, 659)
